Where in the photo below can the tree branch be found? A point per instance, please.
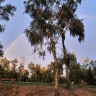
(63, 31)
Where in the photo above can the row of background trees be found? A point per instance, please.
(34, 72)
(86, 71)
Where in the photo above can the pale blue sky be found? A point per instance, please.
(17, 24)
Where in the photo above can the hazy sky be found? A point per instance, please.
(21, 47)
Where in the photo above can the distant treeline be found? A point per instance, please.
(34, 73)
(85, 71)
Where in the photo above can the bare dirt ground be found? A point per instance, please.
(14, 90)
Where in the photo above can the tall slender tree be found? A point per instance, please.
(13, 67)
(20, 70)
(69, 21)
(5, 64)
(43, 26)
(31, 67)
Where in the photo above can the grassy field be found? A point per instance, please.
(47, 84)
(28, 84)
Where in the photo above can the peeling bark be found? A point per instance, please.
(55, 60)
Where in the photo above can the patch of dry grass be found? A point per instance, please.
(14, 90)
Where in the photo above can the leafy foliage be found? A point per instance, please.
(59, 12)
(1, 51)
(77, 29)
(5, 12)
(84, 71)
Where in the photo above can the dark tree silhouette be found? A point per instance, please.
(5, 12)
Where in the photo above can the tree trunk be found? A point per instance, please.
(55, 60)
(67, 77)
(20, 78)
(66, 66)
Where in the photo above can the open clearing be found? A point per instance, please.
(15, 90)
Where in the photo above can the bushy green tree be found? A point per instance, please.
(13, 68)
(20, 71)
(31, 67)
(5, 63)
(25, 75)
(76, 73)
(5, 67)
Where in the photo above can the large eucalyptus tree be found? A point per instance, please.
(50, 20)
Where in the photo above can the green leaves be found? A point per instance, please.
(2, 27)
(34, 38)
(1, 51)
(77, 29)
(5, 12)
(63, 12)
(79, 1)
(42, 54)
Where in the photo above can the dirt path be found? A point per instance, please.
(43, 91)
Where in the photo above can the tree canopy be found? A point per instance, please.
(61, 14)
